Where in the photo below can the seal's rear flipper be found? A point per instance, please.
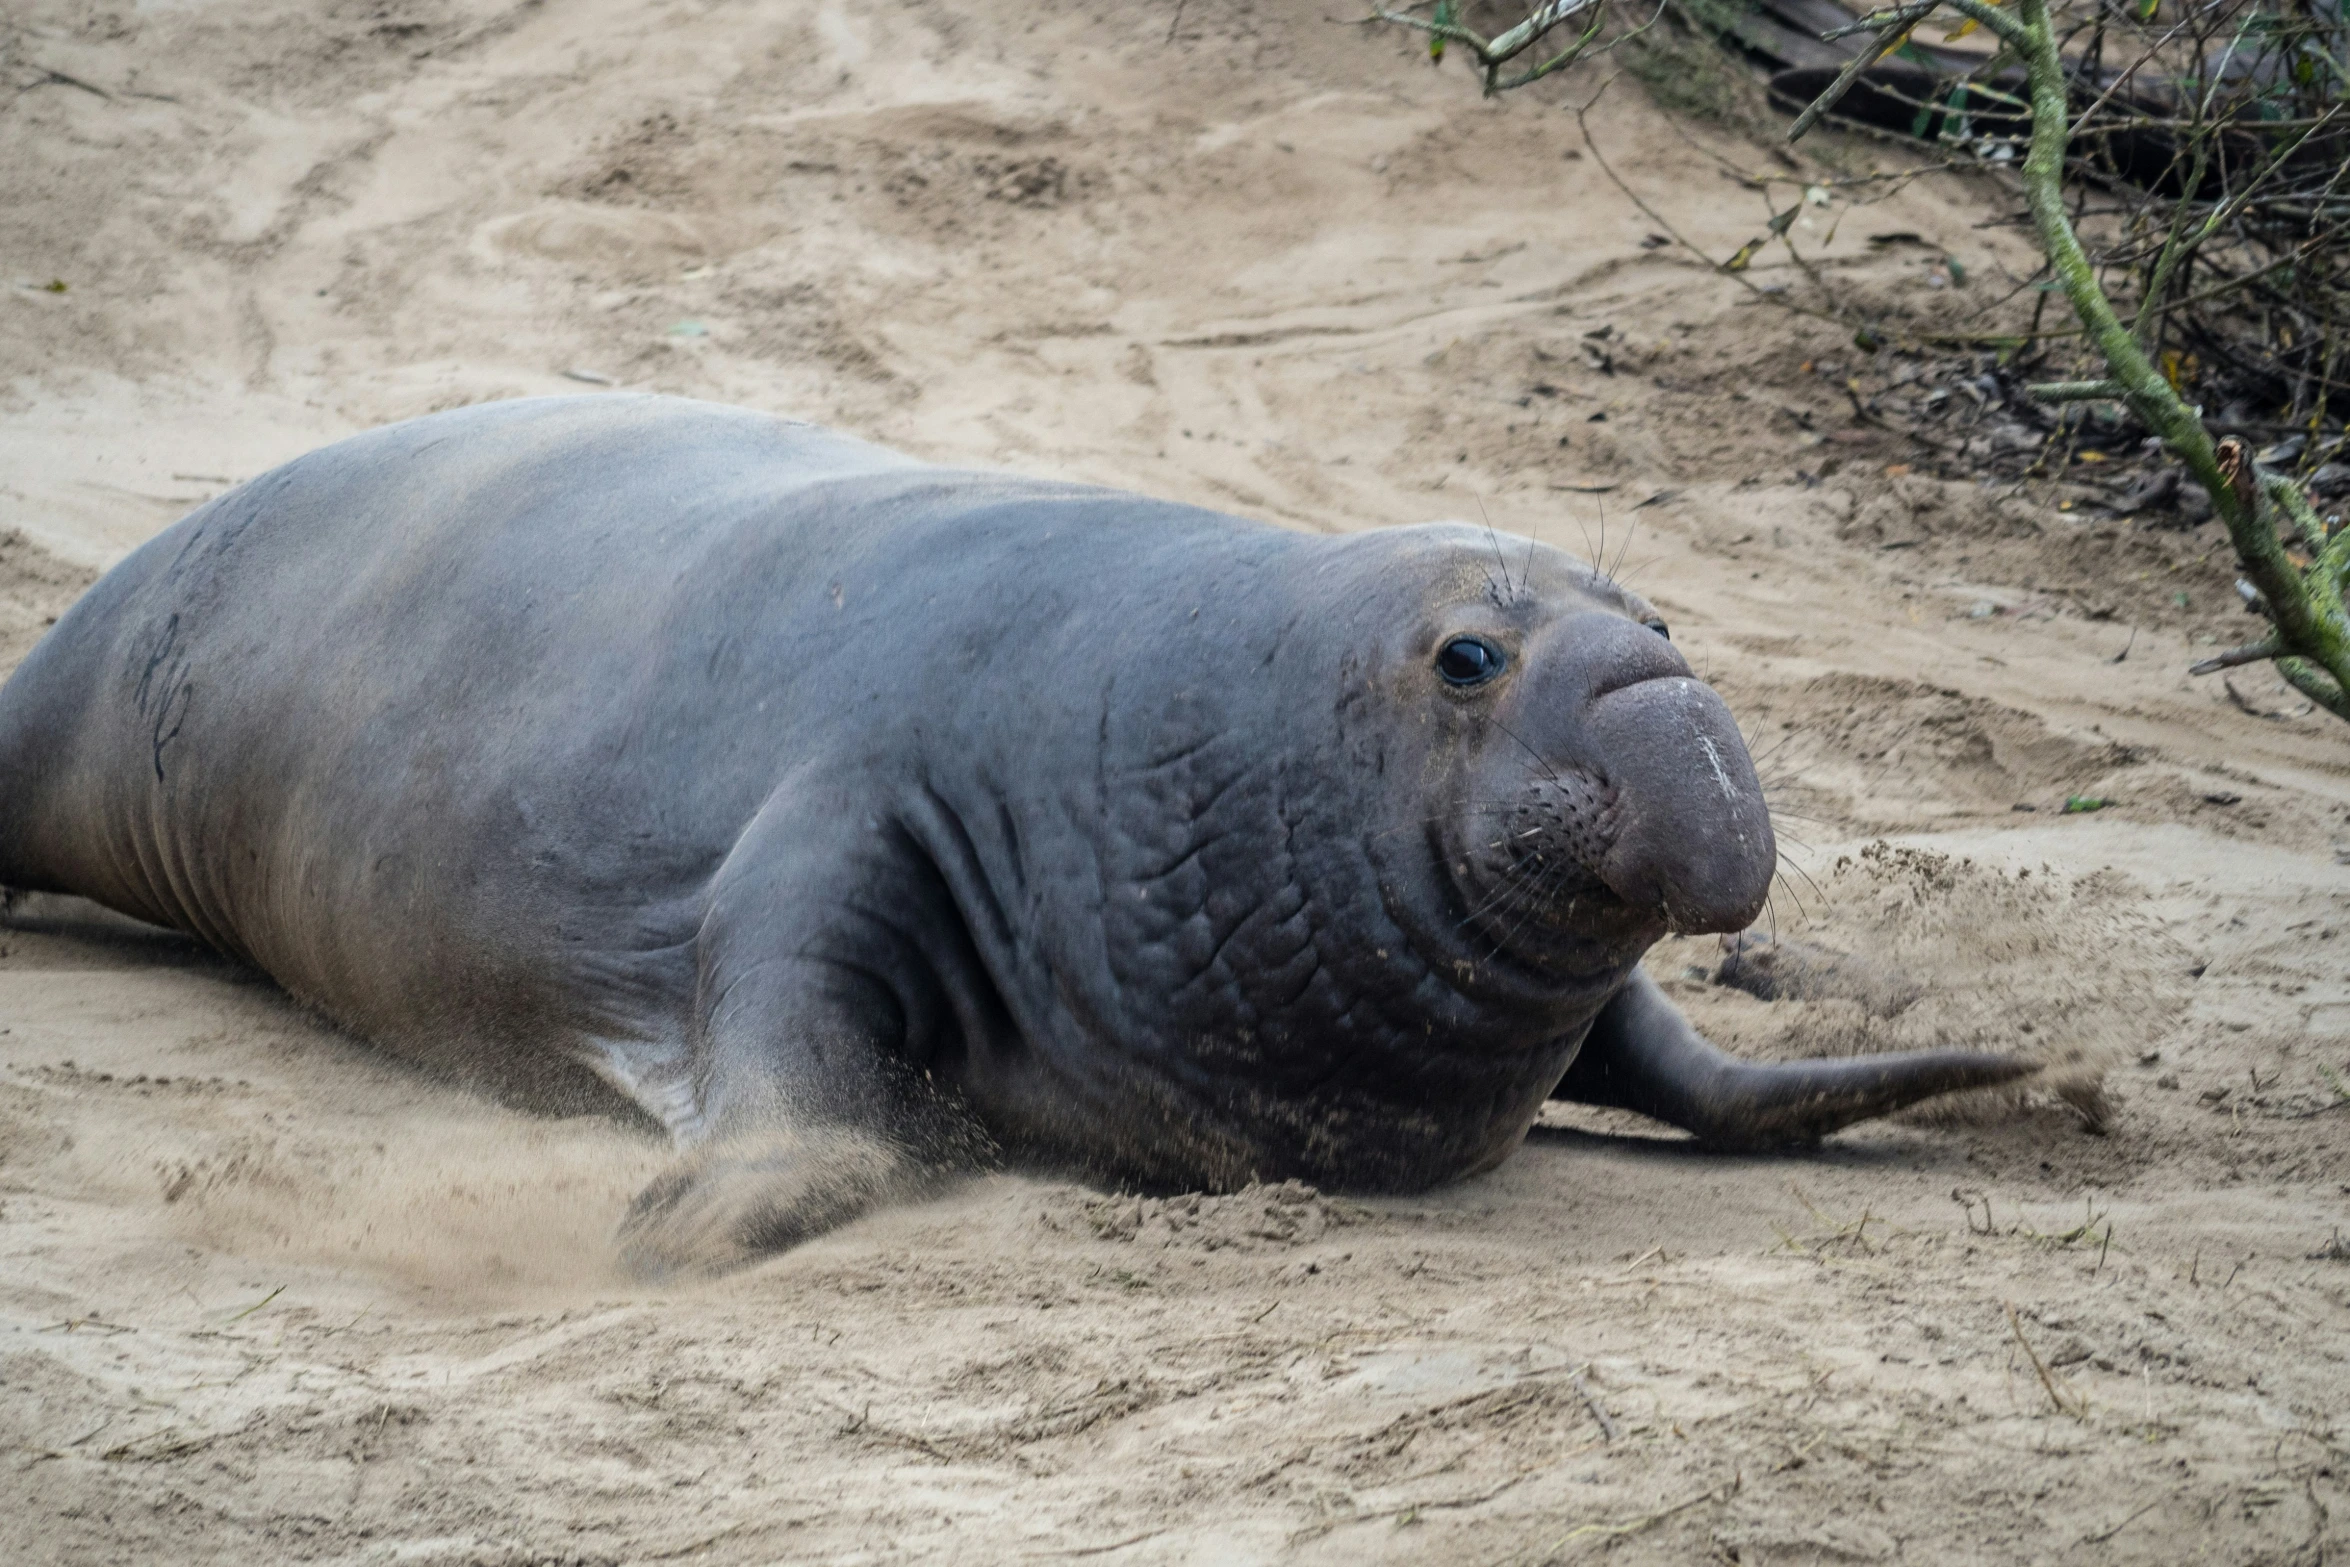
(1642, 1055)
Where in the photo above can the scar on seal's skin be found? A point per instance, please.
(166, 700)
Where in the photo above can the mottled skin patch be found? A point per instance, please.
(861, 820)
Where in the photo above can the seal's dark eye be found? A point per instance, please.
(1468, 661)
(1659, 628)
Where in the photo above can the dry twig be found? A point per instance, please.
(2066, 1401)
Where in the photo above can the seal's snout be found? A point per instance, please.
(1693, 837)
(1644, 787)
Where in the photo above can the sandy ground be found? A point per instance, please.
(266, 1297)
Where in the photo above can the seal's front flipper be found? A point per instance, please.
(811, 1113)
(743, 1196)
(819, 1021)
(1641, 1054)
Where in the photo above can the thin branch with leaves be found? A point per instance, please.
(1444, 26)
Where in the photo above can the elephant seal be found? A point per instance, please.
(861, 819)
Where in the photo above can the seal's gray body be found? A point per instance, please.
(774, 778)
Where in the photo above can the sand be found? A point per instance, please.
(265, 1296)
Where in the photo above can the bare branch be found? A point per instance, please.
(1890, 33)
(2078, 391)
(2250, 653)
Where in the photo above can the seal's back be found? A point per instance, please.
(369, 719)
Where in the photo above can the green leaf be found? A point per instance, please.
(2082, 804)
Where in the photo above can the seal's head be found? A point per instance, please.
(1586, 792)
(1378, 832)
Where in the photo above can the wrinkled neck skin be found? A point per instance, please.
(1326, 913)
